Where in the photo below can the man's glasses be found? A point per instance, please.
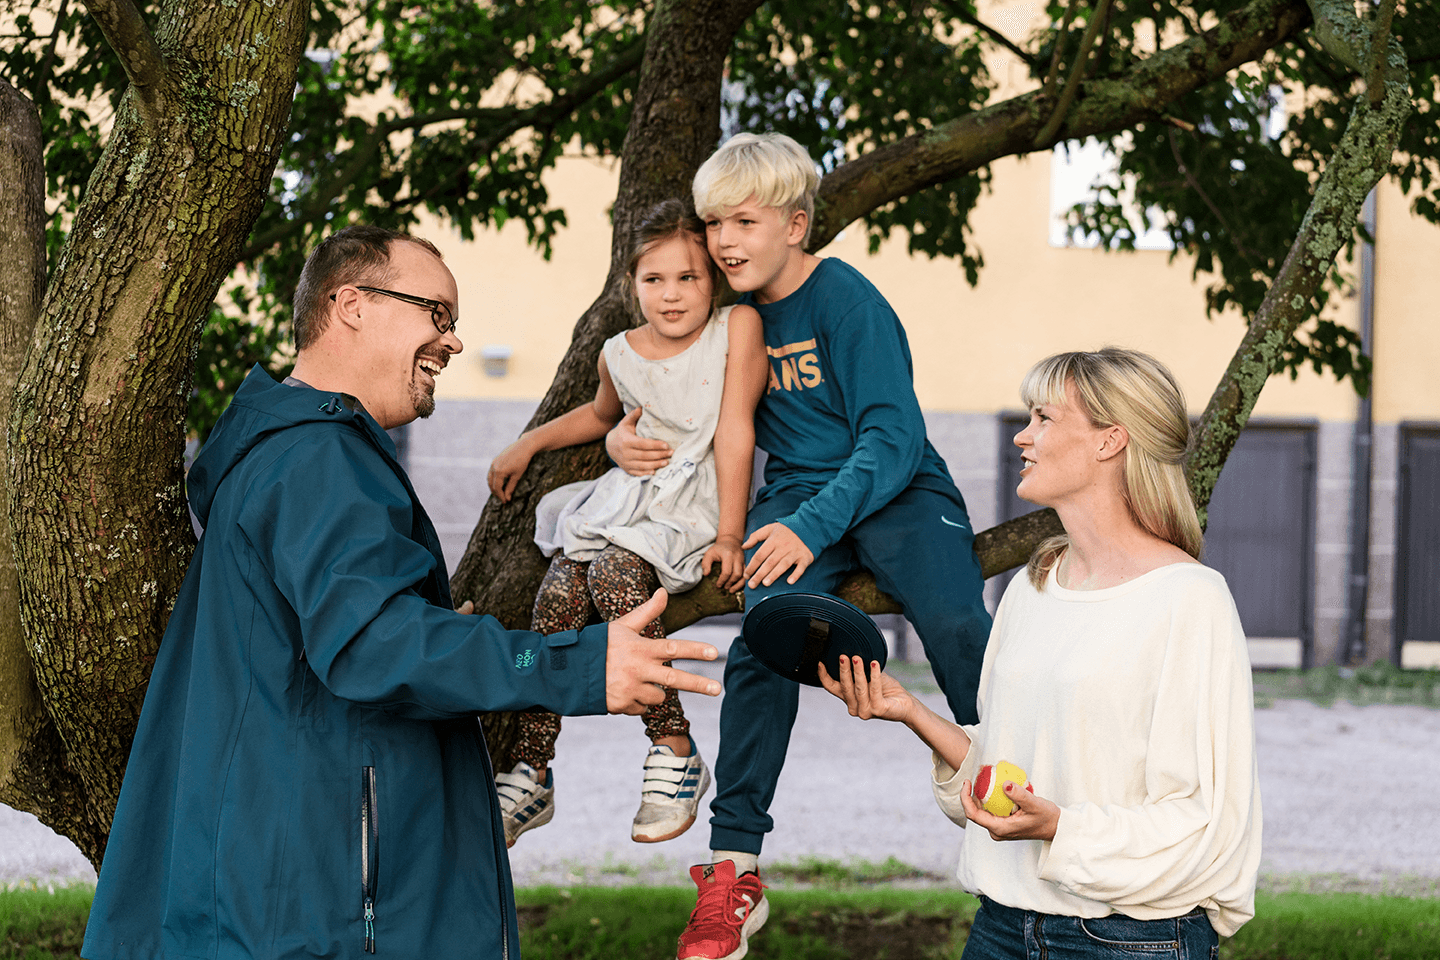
(439, 313)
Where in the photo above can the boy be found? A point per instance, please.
(851, 482)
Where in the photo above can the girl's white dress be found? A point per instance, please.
(670, 518)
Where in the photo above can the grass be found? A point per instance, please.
(852, 919)
(1362, 686)
(43, 922)
(824, 910)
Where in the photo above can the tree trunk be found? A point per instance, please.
(674, 126)
(102, 532)
(32, 773)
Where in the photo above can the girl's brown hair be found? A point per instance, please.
(664, 221)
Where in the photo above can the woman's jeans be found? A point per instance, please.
(1004, 933)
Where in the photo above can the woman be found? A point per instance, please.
(1117, 676)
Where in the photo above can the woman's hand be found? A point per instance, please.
(1034, 818)
(881, 697)
(726, 552)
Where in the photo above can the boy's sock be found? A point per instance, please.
(744, 862)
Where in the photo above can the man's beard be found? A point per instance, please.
(424, 401)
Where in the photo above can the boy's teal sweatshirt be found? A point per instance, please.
(839, 419)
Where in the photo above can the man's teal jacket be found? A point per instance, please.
(308, 778)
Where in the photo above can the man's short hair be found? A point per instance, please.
(770, 167)
(357, 253)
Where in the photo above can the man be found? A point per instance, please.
(308, 778)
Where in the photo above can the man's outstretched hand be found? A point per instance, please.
(635, 671)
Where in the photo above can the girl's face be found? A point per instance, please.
(672, 282)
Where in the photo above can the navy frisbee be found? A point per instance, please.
(793, 632)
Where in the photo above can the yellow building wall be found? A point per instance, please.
(1407, 310)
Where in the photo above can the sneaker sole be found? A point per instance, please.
(752, 923)
(638, 838)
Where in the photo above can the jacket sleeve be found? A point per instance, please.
(866, 352)
(1195, 835)
(331, 523)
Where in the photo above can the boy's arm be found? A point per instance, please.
(585, 423)
(866, 355)
(746, 373)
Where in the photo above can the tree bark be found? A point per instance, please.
(102, 533)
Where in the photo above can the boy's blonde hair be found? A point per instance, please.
(1126, 388)
(770, 167)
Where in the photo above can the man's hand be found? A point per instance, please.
(636, 455)
(782, 549)
(635, 671)
(1034, 818)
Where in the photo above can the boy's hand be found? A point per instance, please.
(636, 674)
(727, 552)
(781, 550)
(636, 455)
(506, 470)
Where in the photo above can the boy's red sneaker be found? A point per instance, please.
(728, 911)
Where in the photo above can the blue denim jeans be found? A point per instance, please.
(1004, 933)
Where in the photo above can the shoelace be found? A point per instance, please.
(718, 907)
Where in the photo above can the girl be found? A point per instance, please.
(692, 374)
(1117, 676)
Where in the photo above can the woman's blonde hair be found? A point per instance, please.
(1125, 388)
(770, 167)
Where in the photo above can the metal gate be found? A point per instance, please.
(1417, 567)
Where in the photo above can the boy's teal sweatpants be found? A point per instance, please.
(921, 549)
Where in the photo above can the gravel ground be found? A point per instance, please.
(859, 792)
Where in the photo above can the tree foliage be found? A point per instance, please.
(460, 108)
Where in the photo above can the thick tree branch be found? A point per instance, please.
(129, 36)
(1009, 127)
(1359, 161)
(506, 121)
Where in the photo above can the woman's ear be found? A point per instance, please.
(1114, 442)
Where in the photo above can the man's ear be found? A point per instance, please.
(1116, 439)
(348, 306)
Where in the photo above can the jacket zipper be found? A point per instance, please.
(497, 838)
(369, 851)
